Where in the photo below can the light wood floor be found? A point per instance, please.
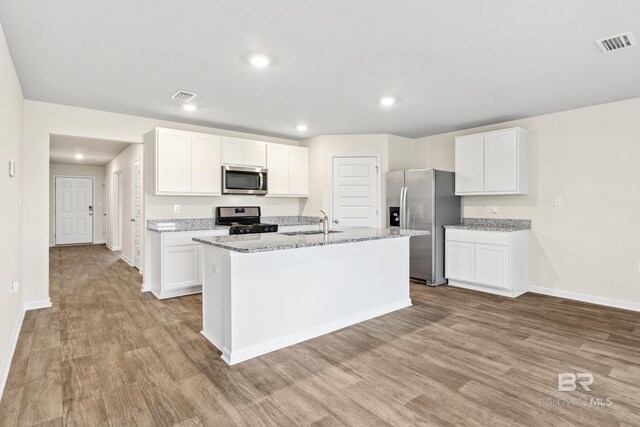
(105, 354)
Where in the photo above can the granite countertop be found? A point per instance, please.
(493, 224)
(264, 242)
(189, 224)
(200, 224)
(290, 220)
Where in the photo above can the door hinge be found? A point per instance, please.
(377, 170)
(377, 212)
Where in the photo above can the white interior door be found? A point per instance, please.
(355, 191)
(74, 210)
(136, 218)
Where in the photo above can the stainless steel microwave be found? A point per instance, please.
(244, 180)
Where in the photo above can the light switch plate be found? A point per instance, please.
(494, 209)
(12, 168)
(487, 208)
(557, 201)
(176, 208)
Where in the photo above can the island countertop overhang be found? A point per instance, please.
(267, 242)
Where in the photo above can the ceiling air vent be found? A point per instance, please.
(613, 43)
(183, 96)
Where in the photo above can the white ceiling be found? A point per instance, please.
(452, 64)
(97, 152)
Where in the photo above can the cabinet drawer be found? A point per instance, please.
(186, 237)
(477, 236)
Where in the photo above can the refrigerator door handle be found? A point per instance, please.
(403, 208)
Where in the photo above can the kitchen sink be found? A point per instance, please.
(307, 233)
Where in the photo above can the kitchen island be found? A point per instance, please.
(263, 292)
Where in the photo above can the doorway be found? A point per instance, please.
(73, 210)
(355, 191)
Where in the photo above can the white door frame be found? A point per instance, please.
(105, 214)
(93, 204)
(134, 224)
(117, 237)
(378, 158)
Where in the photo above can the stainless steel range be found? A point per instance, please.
(243, 220)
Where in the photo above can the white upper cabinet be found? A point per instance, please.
(288, 168)
(278, 167)
(469, 164)
(492, 163)
(299, 171)
(206, 174)
(244, 152)
(187, 163)
(173, 161)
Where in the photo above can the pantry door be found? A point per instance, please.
(355, 188)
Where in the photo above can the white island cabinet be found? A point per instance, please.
(267, 291)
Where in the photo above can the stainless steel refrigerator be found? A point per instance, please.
(423, 199)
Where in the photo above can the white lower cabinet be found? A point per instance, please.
(489, 261)
(175, 262)
(180, 266)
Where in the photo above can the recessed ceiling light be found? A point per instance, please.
(387, 101)
(259, 61)
(189, 107)
(302, 128)
(79, 156)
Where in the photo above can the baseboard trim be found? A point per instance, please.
(609, 302)
(99, 242)
(233, 357)
(9, 358)
(127, 260)
(112, 248)
(36, 305)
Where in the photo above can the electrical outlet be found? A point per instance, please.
(494, 209)
(557, 201)
(487, 208)
(14, 287)
(176, 208)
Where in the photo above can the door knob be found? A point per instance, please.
(336, 221)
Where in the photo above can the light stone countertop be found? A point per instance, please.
(201, 224)
(493, 224)
(265, 242)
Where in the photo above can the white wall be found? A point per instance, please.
(95, 172)
(42, 119)
(11, 141)
(396, 153)
(591, 158)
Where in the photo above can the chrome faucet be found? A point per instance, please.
(325, 223)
